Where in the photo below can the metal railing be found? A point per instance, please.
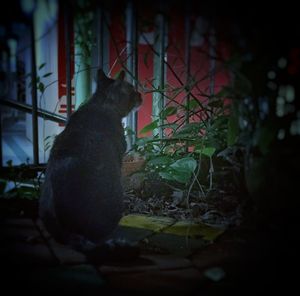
(33, 108)
(28, 109)
(160, 63)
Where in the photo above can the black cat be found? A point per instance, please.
(81, 201)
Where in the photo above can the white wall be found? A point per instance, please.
(45, 21)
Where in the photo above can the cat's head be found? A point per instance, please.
(119, 94)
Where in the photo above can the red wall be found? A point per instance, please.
(199, 62)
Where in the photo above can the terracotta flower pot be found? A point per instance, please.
(131, 165)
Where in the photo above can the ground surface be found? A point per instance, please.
(240, 260)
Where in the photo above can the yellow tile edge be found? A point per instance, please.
(169, 225)
(153, 223)
(194, 230)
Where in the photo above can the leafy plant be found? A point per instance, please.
(184, 156)
(49, 141)
(40, 85)
(25, 182)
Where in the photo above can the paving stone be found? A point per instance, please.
(179, 281)
(74, 277)
(174, 244)
(17, 229)
(18, 234)
(217, 254)
(131, 234)
(22, 254)
(18, 247)
(206, 260)
(169, 261)
(60, 280)
(140, 265)
(147, 263)
(37, 267)
(67, 255)
(19, 222)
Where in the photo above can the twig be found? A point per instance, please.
(193, 181)
(211, 171)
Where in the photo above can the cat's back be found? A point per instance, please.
(82, 192)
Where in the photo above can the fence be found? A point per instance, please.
(170, 53)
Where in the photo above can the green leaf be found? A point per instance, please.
(167, 176)
(192, 127)
(173, 126)
(220, 121)
(47, 74)
(26, 192)
(171, 110)
(47, 138)
(42, 66)
(180, 171)
(187, 164)
(179, 176)
(48, 146)
(149, 127)
(118, 73)
(41, 87)
(183, 136)
(182, 176)
(160, 160)
(192, 104)
(208, 151)
(143, 141)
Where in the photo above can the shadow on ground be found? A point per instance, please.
(242, 260)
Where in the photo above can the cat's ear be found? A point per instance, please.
(121, 76)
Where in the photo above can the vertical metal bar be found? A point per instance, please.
(2, 69)
(131, 37)
(68, 31)
(99, 37)
(103, 39)
(131, 63)
(212, 54)
(1, 152)
(159, 68)
(82, 59)
(187, 59)
(35, 134)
